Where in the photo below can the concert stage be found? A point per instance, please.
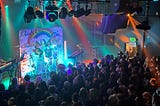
(42, 49)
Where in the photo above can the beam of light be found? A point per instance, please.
(135, 31)
(17, 1)
(67, 31)
(81, 34)
(144, 50)
(6, 6)
(124, 38)
(87, 61)
(117, 45)
(68, 2)
(84, 28)
(38, 23)
(60, 2)
(9, 29)
(146, 53)
(9, 32)
(21, 12)
(105, 50)
(65, 49)
(3, 10)
(134, 22)
(154, 38)
(6, 82)
(69, 34)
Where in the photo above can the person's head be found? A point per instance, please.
(77, 104)
(147, 96)
(53, 75)
(113, 100)
(2, 88)
(158, 91)
(123, 89)
(14, 81)
(95, 61)
(27, 78)
(75, 97)
(38, 79)
(83, 93)
(132, 89)
(43, 86)
(153, 82)
(31, 87)
(52, 89)
(22, 88)
(61, 67)
(11, 101)
(50, 101)
(93, 94)
(64, 103)
(66, 85)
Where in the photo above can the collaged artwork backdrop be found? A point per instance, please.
(41, 50)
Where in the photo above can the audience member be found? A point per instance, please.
(112, 81)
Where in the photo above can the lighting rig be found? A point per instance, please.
(48, 9)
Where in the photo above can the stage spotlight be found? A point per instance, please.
(51, 7)
(29, 15)
(71, 13)
(80, 12)
(87, 12)
(26, 18)
(52, 16)
(128, 15)
(40, 14)
(63, 13)
(30, 11)
(51, 13)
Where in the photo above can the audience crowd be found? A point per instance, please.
(111, 81)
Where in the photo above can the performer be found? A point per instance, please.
(49, 57)
(37, 49)
(50, 54)
(37, 57)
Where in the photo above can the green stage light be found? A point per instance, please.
(132, 39)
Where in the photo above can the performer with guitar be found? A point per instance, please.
(37, 57)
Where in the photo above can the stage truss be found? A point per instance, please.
(42, 50)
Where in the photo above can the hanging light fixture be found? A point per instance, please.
(29, 14)
(39, 13)
(51, 12)
(63, 13)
